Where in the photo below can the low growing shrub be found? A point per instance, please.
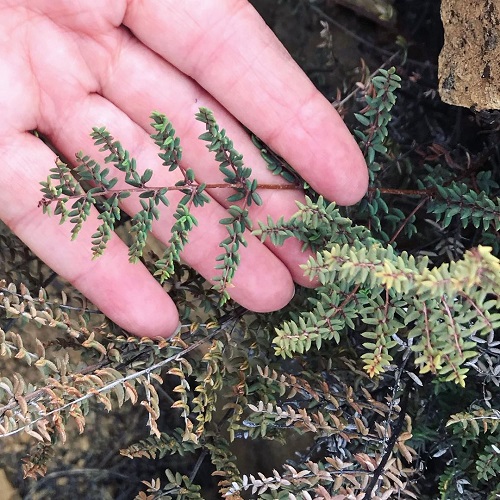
(370, 365)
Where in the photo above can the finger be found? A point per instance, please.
(58, 96)
(227, 48)
(126, 293)
(182, 101)
(262, 282)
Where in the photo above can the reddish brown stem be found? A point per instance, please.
(404, 192)
(411, 214)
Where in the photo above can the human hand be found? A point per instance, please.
(70, 65)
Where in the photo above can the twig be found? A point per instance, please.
(339, 104)
(50, 303)
(192, 187)
(233, 316)
(197, 465)
(410, 215)
(353, 35)
(397, 381)
(362, 40)
(404, 192)
(392, 441)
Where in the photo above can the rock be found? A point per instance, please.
(469, 63)
(380, 11)
(7, 491)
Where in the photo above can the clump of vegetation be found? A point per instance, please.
(389, 366)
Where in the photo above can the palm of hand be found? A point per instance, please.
(68, 66)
